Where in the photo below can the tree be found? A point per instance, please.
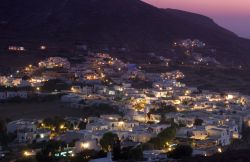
(49, 149)
(136, 153)
(55, 84)
(5, 137)
(57, 124)
(82, 125)
(181, 151)
(168, 134)
(163, 137)
(117, 150)
(198, 122)
(162, 110)
(108, 140)
(157, 142)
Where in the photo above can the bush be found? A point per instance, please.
(163, 137)
(181, 151)
(136, 154)
(108, 140)
(198, 122)
(55, 84)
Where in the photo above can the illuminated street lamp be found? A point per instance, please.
(62, 126)
(28, 153)
(219, 150)
(43, 47)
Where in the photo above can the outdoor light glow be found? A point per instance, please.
(230, 97)
(42, 136)
(62, 126)
(85, 145)
(219, 150)
(28, 153)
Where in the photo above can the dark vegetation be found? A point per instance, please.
(218, 79)
(55, 85)
(181, 151)
(163, 109)
(159, 142)
(198, 122)
(46, 109)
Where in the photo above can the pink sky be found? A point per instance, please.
(232, 14)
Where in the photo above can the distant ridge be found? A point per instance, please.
(115, 22)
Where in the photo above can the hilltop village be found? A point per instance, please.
(140, 115)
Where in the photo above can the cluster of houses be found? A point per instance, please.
(27, 131)
(17, 84)
(16, 48)
(10, 81)
(53, 62)
(188, 43)
(104, 79)
(222, 115)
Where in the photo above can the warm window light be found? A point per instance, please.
(85, 145)
(230, 97)
(38, 88)
(121, 123)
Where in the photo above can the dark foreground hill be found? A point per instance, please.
(130, 23)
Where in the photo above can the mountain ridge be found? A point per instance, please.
(131, 23)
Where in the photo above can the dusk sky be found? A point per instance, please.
(231, 14)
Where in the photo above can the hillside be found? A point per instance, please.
(130, 23)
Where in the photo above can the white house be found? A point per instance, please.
(140, 136)
(21, 124)
(221, 135)
(199, 133)
(25, 136)
(157, 128)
